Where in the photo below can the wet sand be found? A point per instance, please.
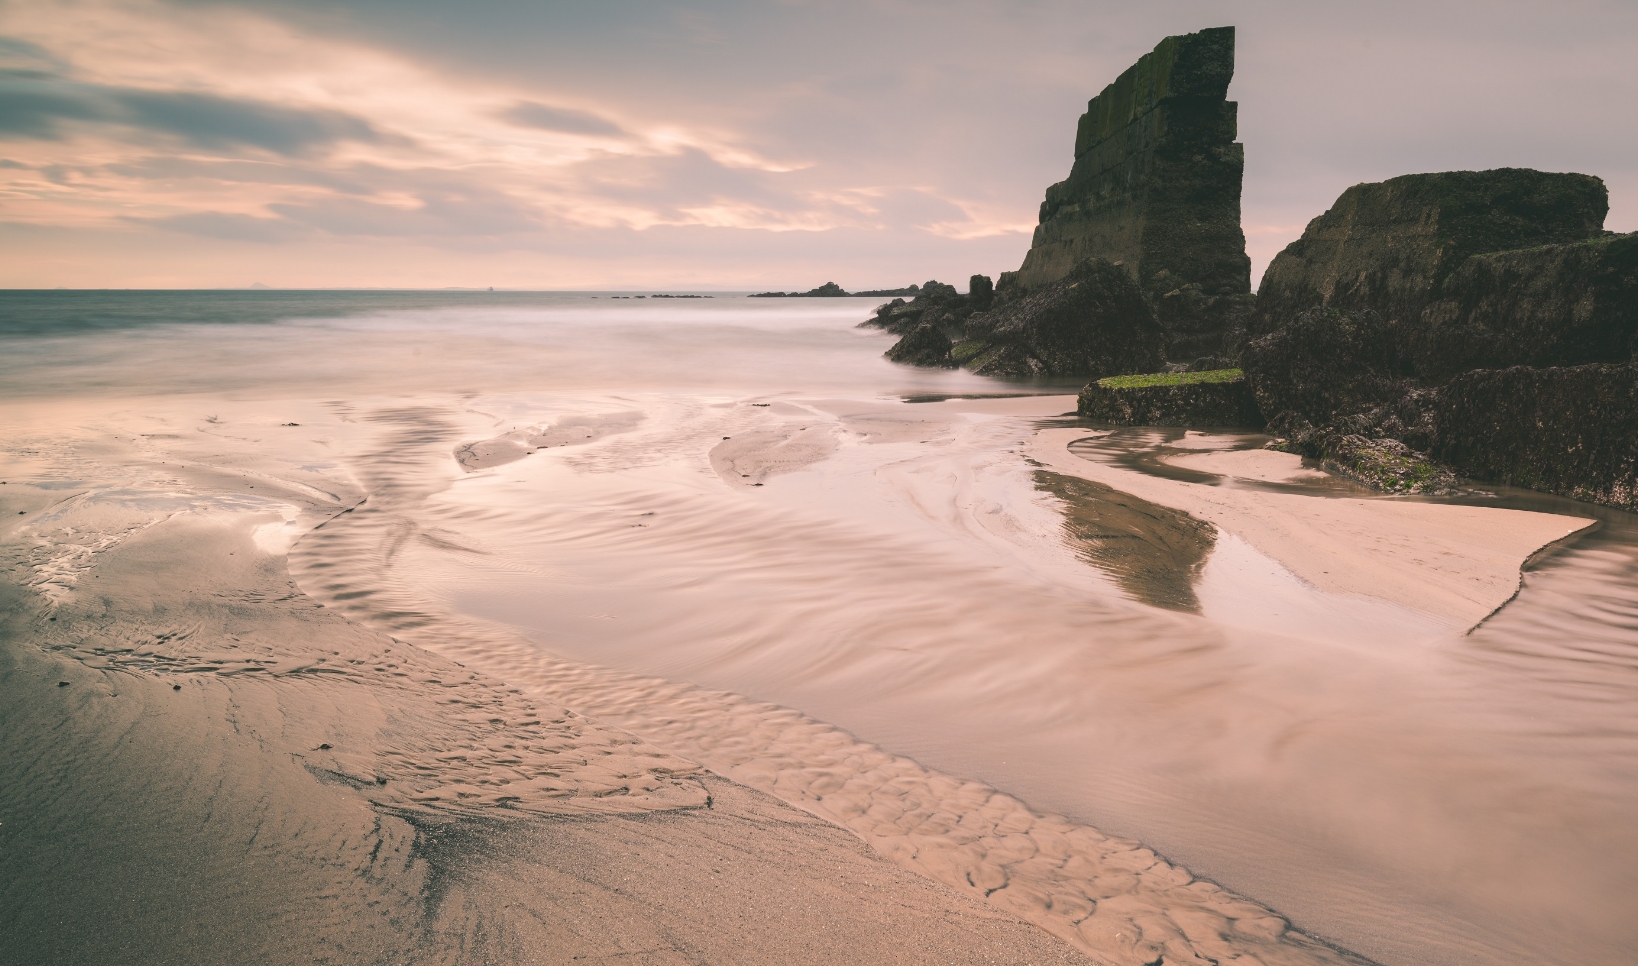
(203, 764)
(589, 691)
(1456, 564)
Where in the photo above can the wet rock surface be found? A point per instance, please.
(935, 302)
(926, 345)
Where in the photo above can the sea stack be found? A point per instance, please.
(1155, 188)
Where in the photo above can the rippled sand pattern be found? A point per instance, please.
(1110, 897)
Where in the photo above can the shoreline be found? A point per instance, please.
(372, 800)
(1455, 564)
(919, 821)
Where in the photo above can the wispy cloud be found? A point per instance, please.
(746, 141)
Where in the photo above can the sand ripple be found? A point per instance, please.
(1109, 897)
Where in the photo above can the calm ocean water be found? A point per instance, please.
(1411, 791)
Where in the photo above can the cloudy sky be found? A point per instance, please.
(731, 144)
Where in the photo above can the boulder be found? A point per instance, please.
(1218, 398)
(1376, 335)
(1381, 462)
(1323, 365)
(1092, 322)
(925, 345)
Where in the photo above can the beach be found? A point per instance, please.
(566, 630)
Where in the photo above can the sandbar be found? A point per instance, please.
(1456, 563)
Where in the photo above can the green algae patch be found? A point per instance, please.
(1218, 397)
(1172, 379)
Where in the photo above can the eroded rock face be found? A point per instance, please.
(925, 345)
(1155, 188)
(1567, 430)
(1376, 333)
(1092, 322)
(1388, 247)
(1556, 305)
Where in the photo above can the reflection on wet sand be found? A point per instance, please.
(1216, 459)
(1155, 553)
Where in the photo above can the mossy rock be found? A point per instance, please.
(1172, 379)
(1215, 398)
(966, 349)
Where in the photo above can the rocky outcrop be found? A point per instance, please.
(1166, 399)
(830, 290)
(827, 290)
(925, 345)
(1154, 193)
(1092, 322)
(1331, 368)
(1155, 188)
(1566, 430)
(1374, 332)
(935, 302)
(1556, 305)
(1388, 247)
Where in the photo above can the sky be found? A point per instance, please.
(718, 145)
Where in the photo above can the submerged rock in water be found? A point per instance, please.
(934, 301)
(827, 290)
(1092, 322)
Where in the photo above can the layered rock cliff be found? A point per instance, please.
(1155, 188)
(1377, 336)
(1154, 194)
(1388, 247)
